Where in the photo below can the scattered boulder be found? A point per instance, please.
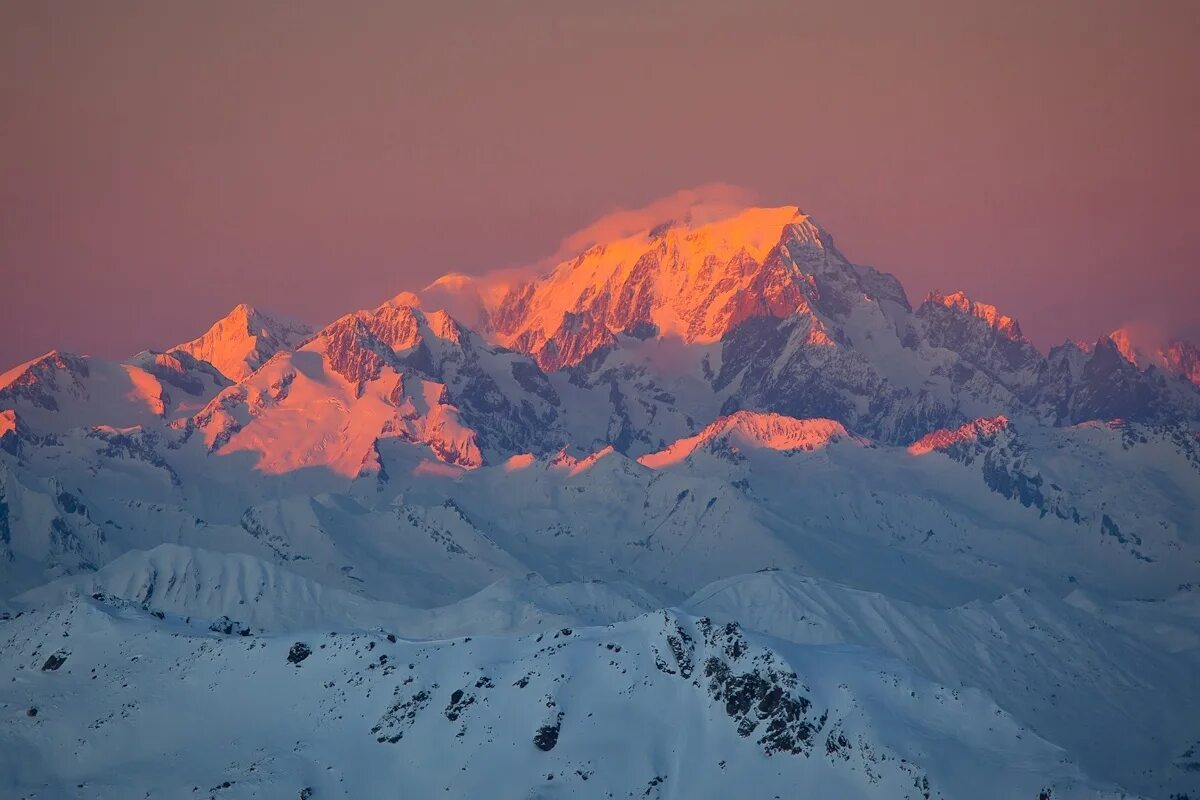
(459, 700)
(229, 626)
(298, 653)
(55, 661)
(547, 736)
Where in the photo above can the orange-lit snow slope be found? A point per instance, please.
(750, 429)
(975, 430)
(244, 340)
(64, 390)
(326, 404)
(692, 282)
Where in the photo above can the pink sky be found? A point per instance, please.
(161, 162)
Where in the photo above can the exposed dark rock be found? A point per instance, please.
(55, 661)
(459, 702)
(400, 716)
(229, 626)
(547, 735)
(298, 653)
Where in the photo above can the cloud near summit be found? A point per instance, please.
(699, 205)
(464, 296)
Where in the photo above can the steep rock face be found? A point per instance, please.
(1102, 383)
(1109, 387)
(791, 366)
(1176, 356)
(1003, 325)
(984, 340)
(896, 376)
(1064, 369)
(244, 340)
(774, 314)
(1004, 460)
(1183, 358)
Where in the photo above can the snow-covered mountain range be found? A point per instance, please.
(706, 510)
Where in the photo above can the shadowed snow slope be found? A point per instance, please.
(1071, 671)
(696, 709)
(265, 597)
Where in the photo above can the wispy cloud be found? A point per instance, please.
(466, 297)
(699, 205)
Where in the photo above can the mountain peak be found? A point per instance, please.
(244, 339)
(1177, 356)
(1123, 340)
(242, 311)
(405, 300)
(39, 369)
(694, 278)
(960, 302)
(755, 230)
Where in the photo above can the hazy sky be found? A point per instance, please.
(163, 161)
